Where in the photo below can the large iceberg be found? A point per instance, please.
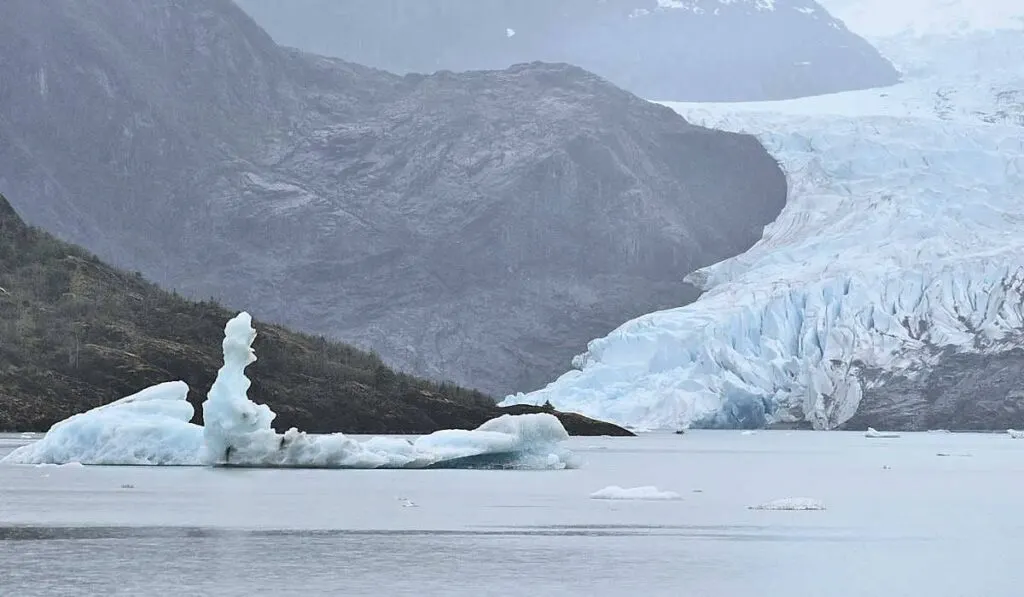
(152, 428)
(238, 432)
(901, 238)
(148, 428)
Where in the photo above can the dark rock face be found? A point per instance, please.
(682, 50)
(961, 392)
(478, 227)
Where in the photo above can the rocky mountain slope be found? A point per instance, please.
(476, 227)
(684, 50)
(888, 293)
(76, 333)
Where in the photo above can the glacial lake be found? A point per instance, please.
(926, 514)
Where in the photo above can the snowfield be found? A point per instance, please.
(901, 235)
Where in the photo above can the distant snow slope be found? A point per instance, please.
(879, 19)
(903, 235)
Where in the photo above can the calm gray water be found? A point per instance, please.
(901, 520)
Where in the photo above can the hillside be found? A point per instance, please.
(476, 227)
(75, 333)
(683, 50)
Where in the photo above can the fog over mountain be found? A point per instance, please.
(683, 50)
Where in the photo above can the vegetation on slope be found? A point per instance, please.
(76, 333)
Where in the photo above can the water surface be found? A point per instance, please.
(922, 515)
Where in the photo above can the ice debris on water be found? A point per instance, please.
(874, 433)
(794, 503)
(152, 428)
(647, 492)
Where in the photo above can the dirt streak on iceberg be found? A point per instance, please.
(152, 428)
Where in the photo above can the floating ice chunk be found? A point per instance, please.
(147, 428)
(152, 428)
(238, 432)
(1015, 434)
(873, 433)
(647, 492)
(794, 503)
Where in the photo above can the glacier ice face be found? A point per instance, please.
(900, 237)
(148, 428)
(152, 428)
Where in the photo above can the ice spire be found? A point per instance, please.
(230, 420)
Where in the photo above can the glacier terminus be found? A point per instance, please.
(894, 272)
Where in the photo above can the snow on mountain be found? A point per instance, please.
(900, 246)
(885, 18)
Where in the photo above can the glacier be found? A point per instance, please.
(152, 428)
(900, 240)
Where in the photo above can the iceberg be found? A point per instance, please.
(646, 493)
(873, 433)
(148, 428)
(152, 428)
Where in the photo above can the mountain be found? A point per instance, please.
(890, 290)
(475, 227)
(685, 50)
(76, 333)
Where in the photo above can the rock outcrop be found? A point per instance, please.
(476, 227)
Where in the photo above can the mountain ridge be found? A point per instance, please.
(398, 213)
(692, 50)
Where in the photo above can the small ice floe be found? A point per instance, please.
(1015, 434)
(873, 433)
(747, 432)
(27, 435)
(794, 503)
(407, 503)
(964, 455)
(127, 486)
(647, 492)
(509, 32)
(72, 464)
